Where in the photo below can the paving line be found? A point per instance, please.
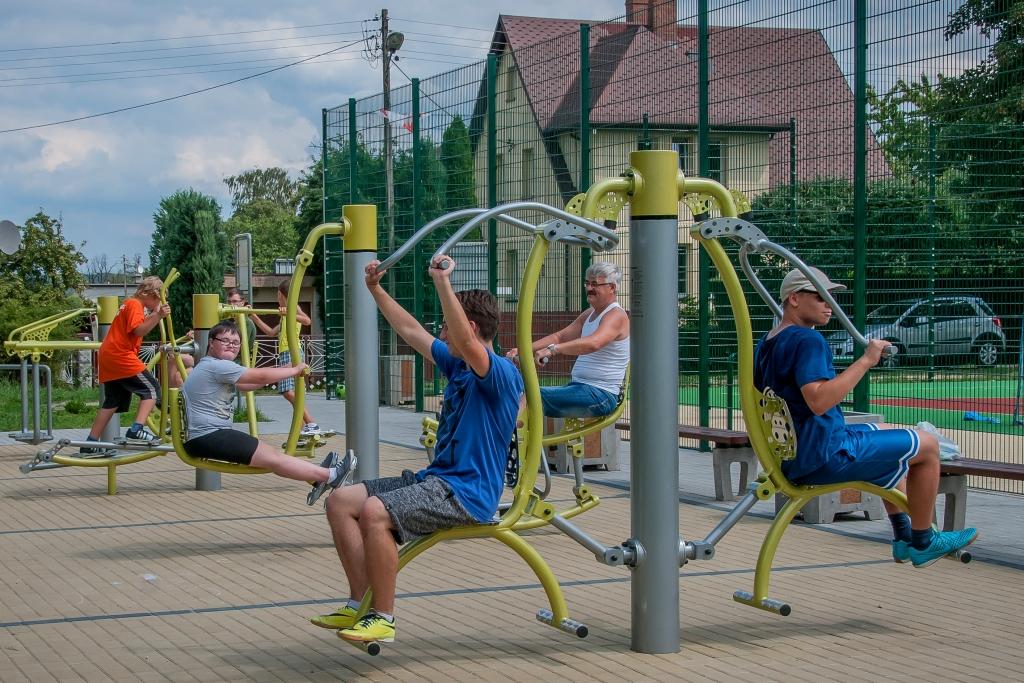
(414, 595)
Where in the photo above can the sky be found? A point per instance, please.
(105, 176)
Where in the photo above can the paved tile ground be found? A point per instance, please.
(165, 583)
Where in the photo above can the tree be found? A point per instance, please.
(46, 260)
(457, 158)
(98, 269)
(272, 228)
(41, 278)
(182, 239)
(271, 184)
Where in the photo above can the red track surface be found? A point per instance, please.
(978, 405)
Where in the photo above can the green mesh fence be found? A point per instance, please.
(886, 150)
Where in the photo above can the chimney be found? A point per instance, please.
(662, 16)
(636, 12)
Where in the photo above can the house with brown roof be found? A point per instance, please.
(779, 108)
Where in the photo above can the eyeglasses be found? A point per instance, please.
(229, 344)
(811, 291)
(236, 302)
(588, 283)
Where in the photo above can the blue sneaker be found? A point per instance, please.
(943, 543)
(900, 552)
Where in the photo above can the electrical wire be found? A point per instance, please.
(178, 97)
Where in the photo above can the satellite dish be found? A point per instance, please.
(10, 237)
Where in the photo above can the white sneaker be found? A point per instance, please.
(310, 429)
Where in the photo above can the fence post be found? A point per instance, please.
(492, 171)
(861, 392)
(585, 254)
(417, 219)
(703, 266)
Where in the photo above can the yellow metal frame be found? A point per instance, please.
(302, 261)
(527, 510)
(771, 480)
(33, 339)
(178, 437)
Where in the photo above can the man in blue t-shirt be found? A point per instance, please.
(461, 486)
(796, 362)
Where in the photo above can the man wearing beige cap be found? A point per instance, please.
(795, 361)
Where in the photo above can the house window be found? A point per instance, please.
(510, 80)
(716, 160)
(499, 176)
(512, 273)
(686, 148)
(527, 173)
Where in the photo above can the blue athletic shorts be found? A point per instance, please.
(867, 453)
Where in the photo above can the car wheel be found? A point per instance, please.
(987, 352)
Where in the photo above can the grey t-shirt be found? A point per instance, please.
(210, 395)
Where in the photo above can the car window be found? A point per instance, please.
(958, 310)
(887, 314)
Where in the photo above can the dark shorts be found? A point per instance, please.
(418, 508)
(226, 445)
(117, 393)
(878, 456)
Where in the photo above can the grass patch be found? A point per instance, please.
(72, 408)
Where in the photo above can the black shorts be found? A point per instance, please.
(117, 393)
(226, 445)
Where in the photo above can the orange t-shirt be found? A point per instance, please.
(119, 352)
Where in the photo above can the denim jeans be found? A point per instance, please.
(576, 399)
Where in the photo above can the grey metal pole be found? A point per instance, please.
(362, 343)
(204, 316)
(654, 476)
(106, 309)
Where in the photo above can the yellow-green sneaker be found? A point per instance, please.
(371, 628)
(343, 617)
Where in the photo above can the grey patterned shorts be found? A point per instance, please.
(284, 359)
(418, 508)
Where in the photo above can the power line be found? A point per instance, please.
(178, 97)
(168, 49)
(156, 40)
(432, 23)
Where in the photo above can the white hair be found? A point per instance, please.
(609, 271)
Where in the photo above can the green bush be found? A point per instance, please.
(75, 406)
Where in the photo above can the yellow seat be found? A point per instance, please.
(179, 435)
(772, 437)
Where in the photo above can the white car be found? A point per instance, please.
(962, 326)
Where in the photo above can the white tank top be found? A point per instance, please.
(606, 367)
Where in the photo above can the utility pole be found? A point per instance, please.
(389, 171)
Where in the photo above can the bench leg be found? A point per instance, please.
(722, 460)
(954, 488)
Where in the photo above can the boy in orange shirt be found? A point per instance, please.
(121, 372)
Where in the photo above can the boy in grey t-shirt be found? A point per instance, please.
(209, 399)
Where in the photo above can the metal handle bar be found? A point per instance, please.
(437, 222)
(609, 236)
(758, 246)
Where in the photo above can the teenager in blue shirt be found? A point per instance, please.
(796, 362)
(461, 486)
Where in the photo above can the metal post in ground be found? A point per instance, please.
(362, 353)
(106, 309)
(654, 477)
(205, 314)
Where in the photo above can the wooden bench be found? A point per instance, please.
(730, 446)
(953, 484)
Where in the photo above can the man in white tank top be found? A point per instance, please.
(599, 338)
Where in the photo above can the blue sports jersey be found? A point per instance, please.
(794, 357)
(474, 429)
